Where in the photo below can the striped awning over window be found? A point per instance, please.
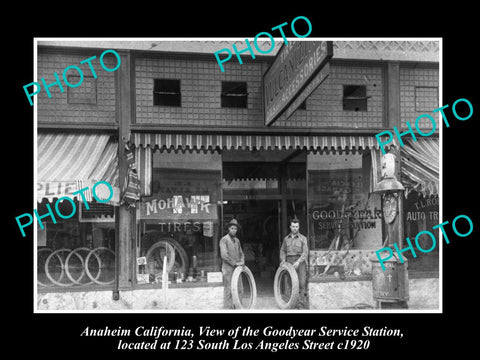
(420, 165)
(146, 143)
(273, 142)
(143, 163)
(69, 162)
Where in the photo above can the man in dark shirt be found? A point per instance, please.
(295, 251)
(232, 255)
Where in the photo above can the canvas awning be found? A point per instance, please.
(69, 162)
(146, 143)
(249, 142)
(420, 166)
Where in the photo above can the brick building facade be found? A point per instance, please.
(399, 80)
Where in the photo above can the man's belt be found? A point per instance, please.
(227, 264)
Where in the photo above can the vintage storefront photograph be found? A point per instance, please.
(260, 188)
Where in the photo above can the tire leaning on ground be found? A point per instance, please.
(290, 270)
(234, 288)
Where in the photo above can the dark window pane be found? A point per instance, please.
(421, 213)
(234, 94)
(166, 92)
(355, 98)
(78, 251)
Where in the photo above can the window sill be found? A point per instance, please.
(423, 275)
(45, 290)
(411, 275)
(183, 285)
(331, 278)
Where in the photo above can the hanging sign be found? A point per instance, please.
(294, 67)
(312, 85)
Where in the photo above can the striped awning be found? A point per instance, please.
(69, 162)
(143, 164)
(420, 166)
(258, 142)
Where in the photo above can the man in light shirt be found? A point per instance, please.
(295, 251)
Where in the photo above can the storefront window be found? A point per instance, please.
(421, 213)
(345, 220)
(76, 252)
(179, 222)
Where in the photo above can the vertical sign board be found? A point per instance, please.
(295, 65)
(312, 85)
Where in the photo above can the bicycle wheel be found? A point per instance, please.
(105, 270)
(55, 268)
(75, 267)
(42, 278)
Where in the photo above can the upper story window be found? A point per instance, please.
(166, 92)
(234, 94)
(355, 97)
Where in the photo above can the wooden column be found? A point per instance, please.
(283, 190)
(393, 94)
(395, 229)
(126, 231)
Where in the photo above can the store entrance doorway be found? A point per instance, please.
(264, 191)
(260, 238)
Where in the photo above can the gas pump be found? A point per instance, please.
(390, 287)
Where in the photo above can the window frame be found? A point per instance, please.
(351, 101)
(142, 224)
(81, 227)
(167, 98)
(227, 96)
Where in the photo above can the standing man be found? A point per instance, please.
(295, 251)
(232, 256)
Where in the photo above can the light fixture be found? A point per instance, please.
(389, 182)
